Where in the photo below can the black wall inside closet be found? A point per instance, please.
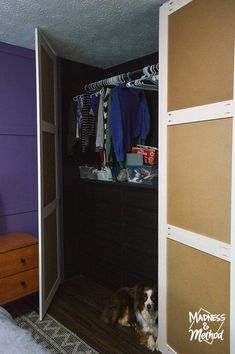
(81, 244)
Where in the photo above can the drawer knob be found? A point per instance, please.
(23, 261)
(23, 284)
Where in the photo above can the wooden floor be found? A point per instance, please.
(78, 305)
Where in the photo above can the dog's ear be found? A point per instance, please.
(139, 290)
(131, 291)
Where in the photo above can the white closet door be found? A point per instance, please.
(196, 177)
(48, 182)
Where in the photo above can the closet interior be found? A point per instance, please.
(109, 227)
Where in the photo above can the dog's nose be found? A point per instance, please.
(149, 306)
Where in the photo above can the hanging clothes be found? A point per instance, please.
(105, 109)
(129, 119)
(108, 136)
(85, 122)
(93, 104)
(82, 121)
(72, 123)
(100, 122)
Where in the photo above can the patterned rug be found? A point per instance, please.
(53, 335)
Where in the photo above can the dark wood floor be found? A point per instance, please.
(78, 305)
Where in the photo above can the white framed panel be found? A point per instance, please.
(199, 177)
(222, 250)
(200, 53)
(51, 209)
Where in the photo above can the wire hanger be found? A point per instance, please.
(149, 81)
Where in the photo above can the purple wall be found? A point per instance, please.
(18, 138)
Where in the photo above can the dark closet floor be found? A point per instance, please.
(78, 305)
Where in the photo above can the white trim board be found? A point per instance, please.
(49, 208)
(48, 127)
(40, 175)
(168, 350)
(200, 242)
(232, 267)
(174, 5)
(162, 224)
(39, 30)
(224, 109)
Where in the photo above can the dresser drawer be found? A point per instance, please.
(18, 260)
(18, 285)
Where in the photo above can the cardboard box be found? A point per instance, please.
(149, 154)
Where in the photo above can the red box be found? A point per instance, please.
(150, 154)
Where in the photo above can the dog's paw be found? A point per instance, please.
(123, 322)
(152, 344)
(156, 344)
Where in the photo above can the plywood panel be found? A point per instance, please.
(196, 280)
(201, 53)
(51, 256)
(49, 168)
(199, 177)
(48, 84)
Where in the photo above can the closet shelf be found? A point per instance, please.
(123, 184)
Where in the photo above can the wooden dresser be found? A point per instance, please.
(18, 266)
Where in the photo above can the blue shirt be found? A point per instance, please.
(129, 119)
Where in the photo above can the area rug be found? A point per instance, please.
(53, 335)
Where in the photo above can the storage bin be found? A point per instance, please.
(87, 172)
(105, 175)
(149, 153)
(142, 174)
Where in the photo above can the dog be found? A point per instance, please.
(137, 307)
(146, 312)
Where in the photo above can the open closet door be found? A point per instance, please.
(197, 177)
(48, 186)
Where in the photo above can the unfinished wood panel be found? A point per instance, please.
(196, 280)
(51, 253)
(48, 84)
(49, 168)
(201, 53)
(199, 177)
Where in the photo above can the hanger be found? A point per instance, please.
(77, 97)
(146, 82)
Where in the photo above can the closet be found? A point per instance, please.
(96, 242)
(196, 245)
(110, 227)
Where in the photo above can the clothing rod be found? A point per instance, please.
(122, 78)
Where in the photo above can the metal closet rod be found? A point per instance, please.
(122, 78)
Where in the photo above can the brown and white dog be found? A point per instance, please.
(135, 307)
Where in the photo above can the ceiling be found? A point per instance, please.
(101, 33)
